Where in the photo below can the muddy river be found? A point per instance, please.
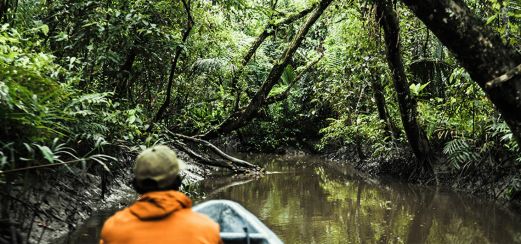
(305, 199)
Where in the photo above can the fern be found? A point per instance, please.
(505, 135)
(460, 153)
(210, 65)
(31, 98)
(5, 99)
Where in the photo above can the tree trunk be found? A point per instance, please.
(4, 6)
(241, 117)
(122, 85)
(179, 49)
(269, 30)
(415, 135)
(205, 160)
(379, 98)
(479, 50)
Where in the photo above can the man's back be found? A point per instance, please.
(160, 217)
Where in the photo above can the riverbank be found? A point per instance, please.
(61, 204)
(495, 178)
(305, 198)
(493, 181)
(44, 210)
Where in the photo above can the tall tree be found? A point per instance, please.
(269, 30)
(123, 86)
(239, 118)
(5, 5)
(418, 141)
(495, 66)
(379, 98)
(3, 8)
(179, 49)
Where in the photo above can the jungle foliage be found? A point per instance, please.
(88, 75)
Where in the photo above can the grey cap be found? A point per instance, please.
(158, 163)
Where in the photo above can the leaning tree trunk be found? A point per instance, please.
(269, 30)
(241, 117)
(223, 160)
(496, 67)
(415, 135)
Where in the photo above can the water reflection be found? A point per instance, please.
(312, 202)
(307, 200)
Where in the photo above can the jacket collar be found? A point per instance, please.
(159, 204)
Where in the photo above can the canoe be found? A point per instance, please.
(237, 224)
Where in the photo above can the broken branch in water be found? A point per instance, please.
(226, 161)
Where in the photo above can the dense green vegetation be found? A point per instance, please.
(79, 79)
(422, 89)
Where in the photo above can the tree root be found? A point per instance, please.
(422, 172)
(224, 161)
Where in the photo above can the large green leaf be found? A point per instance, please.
(289, 74)
(47, 153)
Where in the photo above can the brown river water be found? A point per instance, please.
(306, 199)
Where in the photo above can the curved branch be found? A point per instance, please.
(204, 160)
(480, 51)
(269, 30)
(216, 150)
(504, 77)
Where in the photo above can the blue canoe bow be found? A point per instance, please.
(237, 224)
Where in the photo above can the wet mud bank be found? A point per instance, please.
(308, 199)
(492, 181)
(495, 179)
(51, 211)
(45, 210)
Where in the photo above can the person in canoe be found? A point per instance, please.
(162, 214)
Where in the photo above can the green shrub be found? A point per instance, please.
(39, 106)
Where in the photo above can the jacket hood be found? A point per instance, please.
(159, 204)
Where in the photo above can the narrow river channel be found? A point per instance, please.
(305, 199)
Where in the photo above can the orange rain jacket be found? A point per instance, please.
(160, 217)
